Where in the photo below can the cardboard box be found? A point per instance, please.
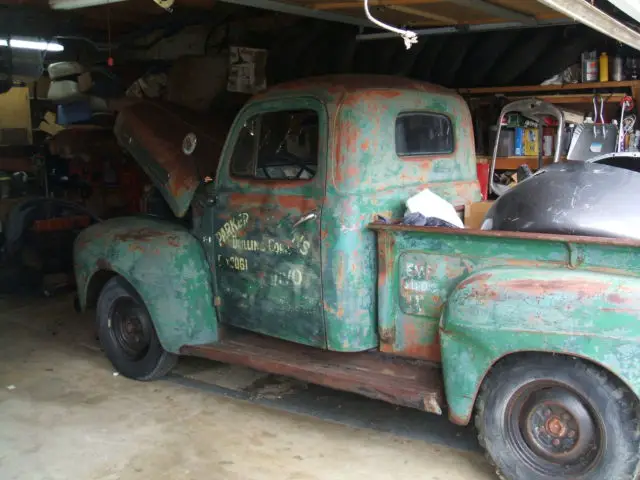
(531, 143)
(474, 214)
(247, 70)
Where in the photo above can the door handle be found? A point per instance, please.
(305, 218)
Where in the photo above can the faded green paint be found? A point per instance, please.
(167, 267)
(268, 271)
(334, 307)
(584, 314)
(496, 296)
(464, 298)
(367, 179)
(349, 252)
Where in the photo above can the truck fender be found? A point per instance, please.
(166, 265)
(497, 312)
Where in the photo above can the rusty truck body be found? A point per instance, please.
(283, 267)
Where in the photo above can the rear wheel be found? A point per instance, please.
(127, 334)
(556, 417)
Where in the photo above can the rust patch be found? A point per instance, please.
(539, 288)
(158, 130)
(615, 298)
(414, 346)
(103, 264)
(480, 278)
(385, 257)
(411, 382)
(544, 237)
(387, 335)
(292, 202)
(143, 234)
(135, 247)
(340, 273)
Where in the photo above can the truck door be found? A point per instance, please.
(266, 242)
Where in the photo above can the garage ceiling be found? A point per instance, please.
(298, 46)
(411, 13)
(436, 13)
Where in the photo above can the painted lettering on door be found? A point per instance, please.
(231, 228)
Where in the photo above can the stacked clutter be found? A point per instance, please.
(73, 88)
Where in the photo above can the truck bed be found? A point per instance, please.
(420, 267)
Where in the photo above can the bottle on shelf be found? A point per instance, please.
(589, 67)
(604, 67)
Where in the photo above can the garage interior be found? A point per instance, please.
(64, 411)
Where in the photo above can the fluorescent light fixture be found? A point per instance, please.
(33, 45)
(74, 4)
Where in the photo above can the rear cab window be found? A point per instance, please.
(423, 133)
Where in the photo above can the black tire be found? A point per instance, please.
(127, 334)
(543, 417)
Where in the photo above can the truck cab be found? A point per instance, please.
(306, 168)
(285, 267)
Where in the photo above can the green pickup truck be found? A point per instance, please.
(276, 261)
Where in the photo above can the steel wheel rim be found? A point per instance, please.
(130, 327)
(554, 430)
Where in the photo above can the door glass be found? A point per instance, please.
(280, 145)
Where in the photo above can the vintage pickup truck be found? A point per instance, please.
(279, 264)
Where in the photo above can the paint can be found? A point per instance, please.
(589, 67)
(618, 69)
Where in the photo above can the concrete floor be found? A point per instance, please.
(64, 415)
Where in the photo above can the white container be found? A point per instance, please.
(64, 91)
(64, 69)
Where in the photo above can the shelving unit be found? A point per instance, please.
(512, 163)
(571, 94)
(551, 88)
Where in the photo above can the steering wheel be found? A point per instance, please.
(285, 159)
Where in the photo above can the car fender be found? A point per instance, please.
(501, 311)
(166, 265)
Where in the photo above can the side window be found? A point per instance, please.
(422, 133)
(279, 145)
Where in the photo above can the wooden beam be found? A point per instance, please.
(377, 3)
(591, 16)
(566, 99)
(421, 13)
(550, 88)
(496, 10)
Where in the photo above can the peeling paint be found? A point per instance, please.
(164, 263)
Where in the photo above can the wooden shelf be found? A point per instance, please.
(512, 163)
(550, 88)
(566, 99)
(560, 99)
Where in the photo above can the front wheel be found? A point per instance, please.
(127, 334)
(550, 417)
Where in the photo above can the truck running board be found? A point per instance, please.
(395, 380)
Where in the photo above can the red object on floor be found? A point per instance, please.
(483, 178)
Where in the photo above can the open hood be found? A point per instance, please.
(175, 147)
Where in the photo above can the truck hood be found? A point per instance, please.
(175, 147)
